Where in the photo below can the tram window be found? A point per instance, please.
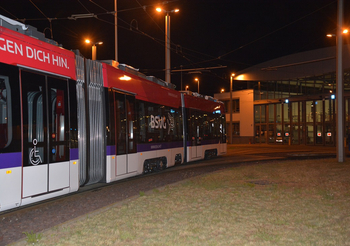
(206, 125)
(223, 129)
(5, 113)
(121, 124)
(110, 121)
(173, 129)
(178, 124)
(73, 115)
(58, 119)
(132, 124)
(34, 115)
(142, 121)
(158, 123)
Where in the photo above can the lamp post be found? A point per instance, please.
(115, 31)
(197, 80)
(93, 48)
(231, 126)
(339, 83)
(167, 41)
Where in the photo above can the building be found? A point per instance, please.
(242, 129)
(289, 100)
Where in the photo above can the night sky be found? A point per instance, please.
(205, 33)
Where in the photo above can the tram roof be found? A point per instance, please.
(296, 66)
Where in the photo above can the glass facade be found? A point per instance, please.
(299, 111)
(324, 85)
(296, 111)
(303, 122)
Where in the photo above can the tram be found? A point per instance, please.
(67, 121)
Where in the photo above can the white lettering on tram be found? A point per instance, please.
(38, 55)
(59, 61)
(161, 122)
(3, 47)
(9, 46)
(158, 122)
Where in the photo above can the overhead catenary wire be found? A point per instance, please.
(184, 55)
(84, 6)
(171, 42)
(212, 58)
(45, 17)
(268, 34)
(8, 12)
(151, 17)
(98, 6)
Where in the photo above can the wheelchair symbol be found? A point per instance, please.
(33, 157)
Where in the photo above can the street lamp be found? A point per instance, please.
(197, 80)
(222, 90)
(231, 77)
(330, 35)
(167, 41)
(186, 88)
(93, 48)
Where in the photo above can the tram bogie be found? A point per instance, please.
(155, 165)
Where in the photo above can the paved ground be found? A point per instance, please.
(42, 216)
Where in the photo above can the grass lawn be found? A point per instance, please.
(277, 203)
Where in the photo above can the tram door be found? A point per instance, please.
(125, 135)
(45, 134)
(196, 132)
